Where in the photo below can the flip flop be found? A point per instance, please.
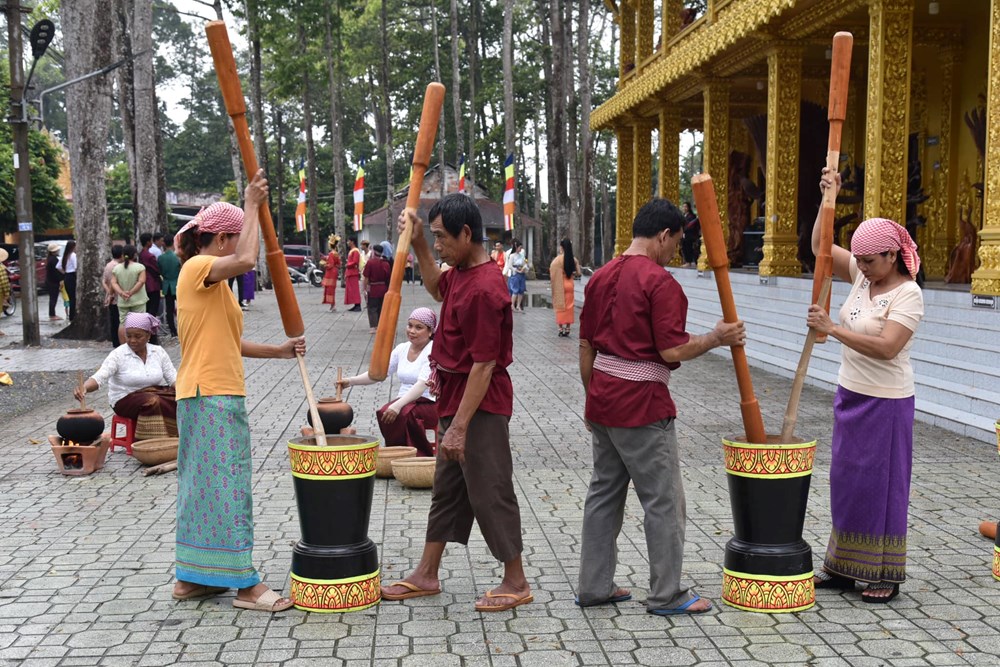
(268, 601)
(881, 586)
(611, 600)
(414, 591)
(515, 601)
(683, 609)
(199, 592)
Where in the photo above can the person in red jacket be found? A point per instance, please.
(376, 283)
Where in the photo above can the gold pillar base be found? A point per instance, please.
(986, 280)
(781, 257)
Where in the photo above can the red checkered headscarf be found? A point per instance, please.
(220, 217)
(878, 235)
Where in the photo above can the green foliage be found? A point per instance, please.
(118, 192)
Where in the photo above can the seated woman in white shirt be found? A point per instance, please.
(140, 378)
(405, 420)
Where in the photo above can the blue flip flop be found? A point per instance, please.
(683, 609)
(610, 600)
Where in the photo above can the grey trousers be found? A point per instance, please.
(648, 456)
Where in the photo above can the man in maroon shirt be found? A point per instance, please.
(153, 284)
(375, 282)
(631, 337)
(472, 348)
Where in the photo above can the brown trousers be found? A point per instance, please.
(482, 489)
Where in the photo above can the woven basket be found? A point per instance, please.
(415, 473)
(156, 451)
(386, 455)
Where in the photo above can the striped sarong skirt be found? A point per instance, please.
(214, 501)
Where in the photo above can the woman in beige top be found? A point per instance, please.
(872, 446)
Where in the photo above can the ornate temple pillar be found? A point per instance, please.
(889, 52)
(715, 149)
(626, 45)
(624, 213)
(986, 279)
(784, 92)
(642, 165)
(670, 149)
(941, 221)
(645, 23)
(671, 19)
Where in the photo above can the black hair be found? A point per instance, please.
(655, 216)
(515, 245)
(116, 252)
(168, 240)
(900, 264)
(145, 238)
(458, 211)
(689, 207)
(67, 251)
(129, 254)
(569, 262)
(191, 246)
(157, 236)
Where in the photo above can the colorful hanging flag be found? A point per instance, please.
(300, 210)
(359, 197)
(508, 194)
(461, 174)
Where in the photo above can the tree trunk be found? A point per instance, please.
(147, 159)
(572, 146)
(471, 39)
(437, 77)
(88, 116)
(259, 138)
(538, 171)
(333, 63)
(125, 79)
(509, 127)
(607, 224)
(456, 84)
(557, 88)
(312, 196)
(279, 175)
(390, 222)
(586, 252)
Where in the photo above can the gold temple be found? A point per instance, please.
(923, 117)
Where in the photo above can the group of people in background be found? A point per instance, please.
(367, 270)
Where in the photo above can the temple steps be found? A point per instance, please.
(956, 356)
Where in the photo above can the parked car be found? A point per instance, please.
(295, 255)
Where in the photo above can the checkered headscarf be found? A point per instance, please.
(220, 217)
(878, 235)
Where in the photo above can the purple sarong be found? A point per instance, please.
(249, 284)
(870, 486)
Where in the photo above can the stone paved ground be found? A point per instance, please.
(86, 563)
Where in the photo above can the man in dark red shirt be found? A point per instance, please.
(472, 349)
(153, 284)
(631, 337)
(375, 279)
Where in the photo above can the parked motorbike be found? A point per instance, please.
(309, 273)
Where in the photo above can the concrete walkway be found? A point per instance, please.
(86, 563)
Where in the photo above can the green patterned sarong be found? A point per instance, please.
(214, 502)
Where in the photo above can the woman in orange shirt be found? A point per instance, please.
(214, 501)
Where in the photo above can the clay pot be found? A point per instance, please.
(334, 414)
(80, 425)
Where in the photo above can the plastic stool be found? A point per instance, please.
(122, 433)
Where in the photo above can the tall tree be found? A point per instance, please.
(559, 197)
(456, 82)
(437, 77)
(509, 115)
(473, 43)
(279, 173)
(312, 184)
(586, 251)
(234, 147)
(387, 109)
(88, 110)
(257, 116)
(334, 72)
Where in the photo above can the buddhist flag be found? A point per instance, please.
(508, 194)
(461, 174)
(359, 197)
(300, 210)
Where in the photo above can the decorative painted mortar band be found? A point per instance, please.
(762, 593)
(352, 594)
(344, 461)
(770, 461)
(768, 566)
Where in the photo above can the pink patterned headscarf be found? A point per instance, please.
(220, 217)
(143, 321)
(878, 235)
(425, 316)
